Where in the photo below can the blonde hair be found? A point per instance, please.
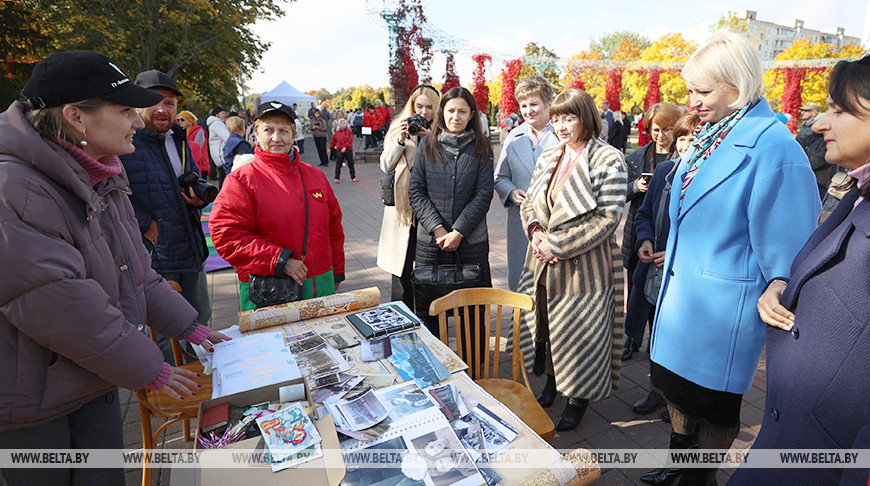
(236, 125)
(577, 102)
(534, 86)
(727, 57)
(408, 110)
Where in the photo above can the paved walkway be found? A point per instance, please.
(608, 424)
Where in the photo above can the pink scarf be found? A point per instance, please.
(98, 170)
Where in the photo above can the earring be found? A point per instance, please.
(84, 143)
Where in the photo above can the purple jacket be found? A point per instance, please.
(77, 285)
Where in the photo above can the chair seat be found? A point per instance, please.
(521, 402)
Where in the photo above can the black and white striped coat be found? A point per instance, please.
(584, 288)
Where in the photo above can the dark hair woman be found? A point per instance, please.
(573, 266)
(450, 190)
(818, 320)
(660, 119)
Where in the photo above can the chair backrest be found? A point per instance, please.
(474, 302)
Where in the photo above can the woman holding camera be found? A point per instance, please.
(660, 119)
(259, 218)
(570, 214)
(79, 287)
(450, 191)
(398, 239)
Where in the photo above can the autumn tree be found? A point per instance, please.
(543, 62)
(670, 51)
(608, 44)
(208, 45)
(731, 22)
(26, 37)
(451, 79)
(814, 82)
(508, 102)
(593, 78)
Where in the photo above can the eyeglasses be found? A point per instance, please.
(564, 119)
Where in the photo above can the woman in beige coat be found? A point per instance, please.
(398, 229)
(573, 265)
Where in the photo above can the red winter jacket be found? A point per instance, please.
(372, 119)
(260, 214)
(342, 139)
(383, 115)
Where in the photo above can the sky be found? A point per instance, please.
(340, 43)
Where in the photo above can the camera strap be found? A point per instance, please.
(304, 198)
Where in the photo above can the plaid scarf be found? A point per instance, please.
(709, 136)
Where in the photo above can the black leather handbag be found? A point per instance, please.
(442, 279)
(279, 289)
(388, 188)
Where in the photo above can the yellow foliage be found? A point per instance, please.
(669, 48)
(815, 83)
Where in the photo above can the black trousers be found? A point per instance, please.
(97, 425)
(344, 157)
(320, 144)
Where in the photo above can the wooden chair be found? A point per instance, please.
(467, 302)
(161, 405)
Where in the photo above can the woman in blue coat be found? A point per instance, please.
(818, 342)
(744, 202)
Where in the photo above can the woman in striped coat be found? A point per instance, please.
(573, 266)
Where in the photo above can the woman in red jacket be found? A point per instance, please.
(257, 221)
(342, 140)
(198, 140)
(371, 120)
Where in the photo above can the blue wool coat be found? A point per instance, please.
(817, 375)
(750, 208)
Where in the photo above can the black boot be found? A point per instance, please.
(648, 405)
(548, 395)
(628, 348)
(540, 357)
(574, 411)
(667, 475)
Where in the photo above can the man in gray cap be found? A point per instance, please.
(815, 147)
(168, 196)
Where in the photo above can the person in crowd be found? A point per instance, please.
(643, 137)
(73, 317)
(571, 211)
(236, 144)
(167, 212)
(385, 116)
(504, 132)
(342, 144)
(372, 122)
(745, 206)
(814, 145)
(605, 126)
(608, 114)
(357, 122)
(641, 163)
(450, 192)
(196, 139)
(300, 137)
(217, 138)
(334, 123)
(398, 239)
(651, 230)
(257, 224)
(319, 132)
(616, 132)
(818, 328)
(296, 110)
(516, 163)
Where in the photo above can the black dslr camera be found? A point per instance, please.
(417, 123)
(202, 189)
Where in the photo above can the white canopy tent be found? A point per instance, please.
(288, 95)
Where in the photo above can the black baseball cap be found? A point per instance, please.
(71, 76)
(270, 106)
(157, 79)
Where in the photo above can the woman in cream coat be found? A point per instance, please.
(398, 228)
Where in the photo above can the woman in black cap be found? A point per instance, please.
(277, 216)
(79, 288)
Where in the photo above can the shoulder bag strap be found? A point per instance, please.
(304, 198)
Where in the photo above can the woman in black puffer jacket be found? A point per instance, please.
(451, 189)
